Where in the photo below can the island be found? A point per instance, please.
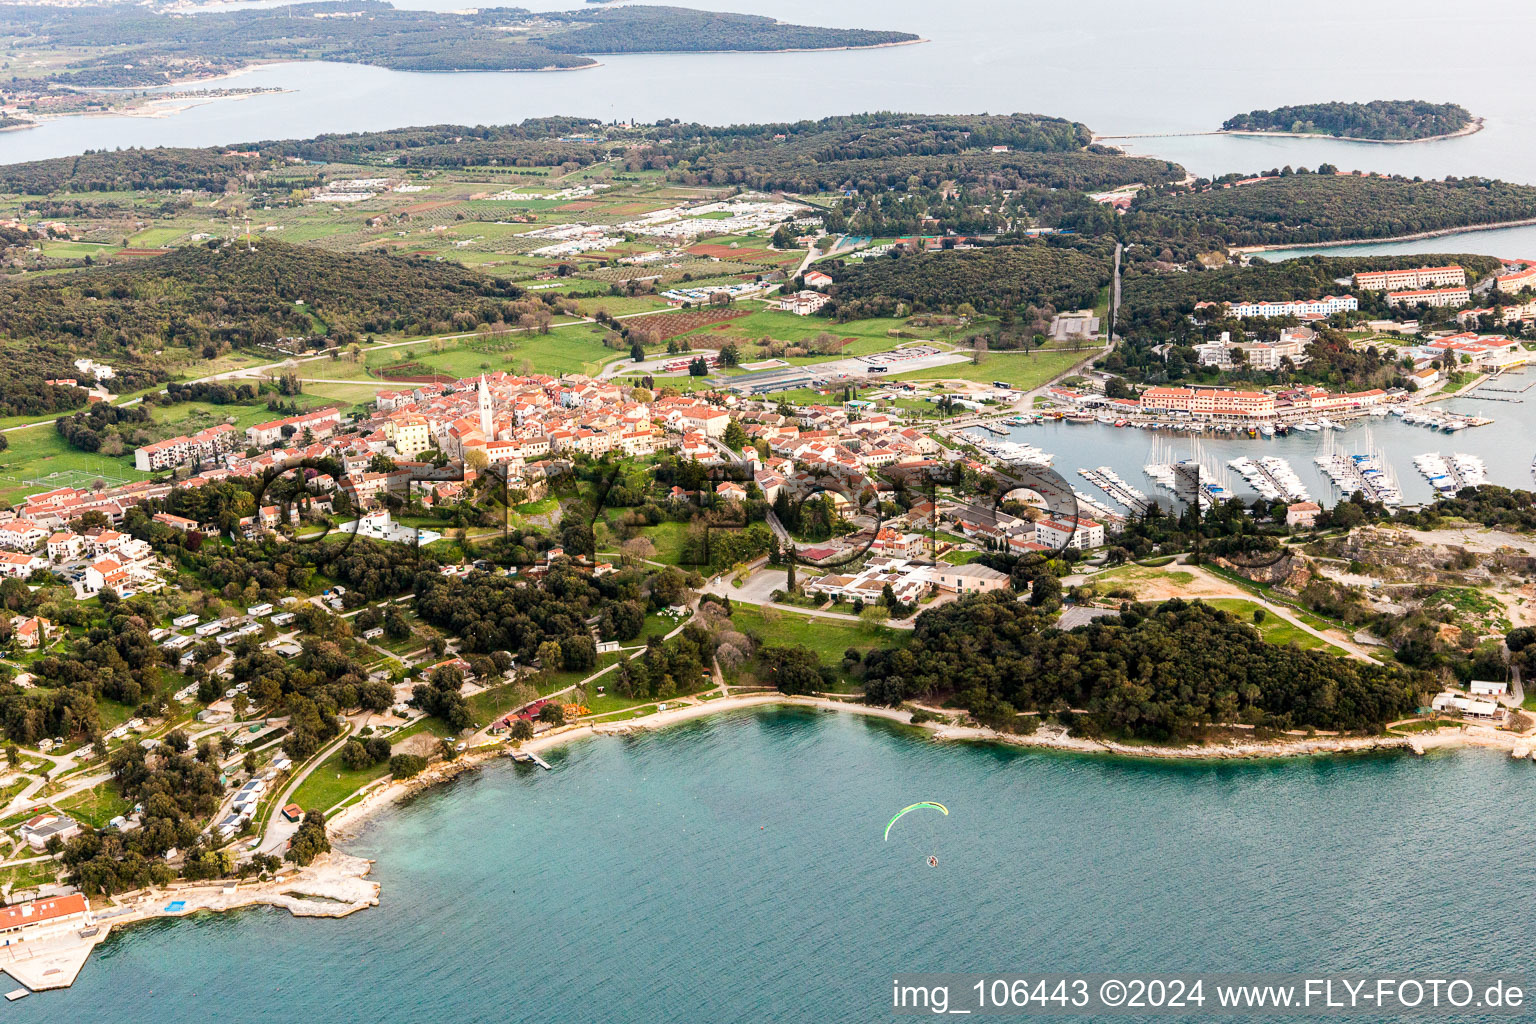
(1376, 121)
(112, 46)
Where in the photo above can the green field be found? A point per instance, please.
(39, 454)
(1024, 372)
(1274, 629)
(572, 349)
(829, 638)
(97, 806)
(332, 782)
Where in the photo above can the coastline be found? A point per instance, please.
(1418, 236)
(592, 58)
(348, 822)
(335, 885)
(1471, 128)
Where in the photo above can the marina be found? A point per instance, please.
(1506, 453)
(1448, 475)
(1271, 477)
(1108, 481)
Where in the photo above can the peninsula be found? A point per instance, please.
(116, 46)
(1376, 121)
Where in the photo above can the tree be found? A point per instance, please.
(310, 841)
(477, 460)
(735, 437)
(405, 766)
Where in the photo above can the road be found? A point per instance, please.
(279, 829)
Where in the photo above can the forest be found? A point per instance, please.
(1163, 673)
(1379, 119)
(134, 46)
(1302, 207)
(212, 298)
(1156, 304)
(1006, 277)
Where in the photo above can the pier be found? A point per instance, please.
(528, 757)
(1108, 481)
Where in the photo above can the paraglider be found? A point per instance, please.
(907, 810)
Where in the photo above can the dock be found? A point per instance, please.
(528, 757)
(1106, 480)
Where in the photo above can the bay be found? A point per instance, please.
(732, 870)
(1124, 67)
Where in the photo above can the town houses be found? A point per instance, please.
(318, 423)
(1234, 404)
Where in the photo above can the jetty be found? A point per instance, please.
(528, 757)
(1108, 481)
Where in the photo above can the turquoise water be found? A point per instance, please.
(732, 870)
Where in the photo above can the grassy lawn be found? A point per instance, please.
(829, 638)
(573, 349)
(1023, 372)
(1273, 629)
(97, 806)
(37, 452)
(332, 782)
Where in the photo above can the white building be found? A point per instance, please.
(803, 303)
(1058, 534)
(1325, 306)
(44, 919)
(1431, 297)
(1418, 277)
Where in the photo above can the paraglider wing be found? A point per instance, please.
(913, 807)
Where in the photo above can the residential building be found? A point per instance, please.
(1430, 297)
(320, 423)
(36, 832)
(968, 579)
(1302, 513)
(803, 303)
(1416, 278)
(64, 545)
(18, 565)
(46, 918)
(31, 631)
(203, 446)
(1323, 307)
(1059, 534)
(21, 534)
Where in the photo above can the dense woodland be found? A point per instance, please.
(1378, 119)
(140, 46)
(1159, 673)
(1156, 305)
(209, 298)
(1068, 275)
(1300, 208)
